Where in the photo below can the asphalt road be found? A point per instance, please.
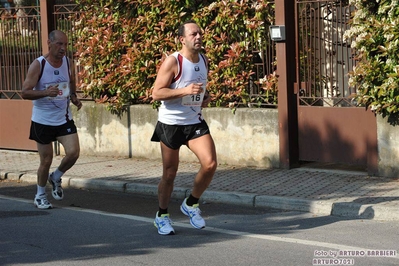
(108, 228)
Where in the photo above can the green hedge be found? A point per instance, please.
(375, 35)
(121, 45)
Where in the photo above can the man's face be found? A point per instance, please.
(192, 38)
(58, 46)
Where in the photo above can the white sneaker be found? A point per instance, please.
(194, 213)
(164, 224)
(57, 192)
(41, 202)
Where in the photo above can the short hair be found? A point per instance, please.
(53, 35)
(180, 31)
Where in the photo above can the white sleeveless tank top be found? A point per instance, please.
(186, 110)
(53, 111)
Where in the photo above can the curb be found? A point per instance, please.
(325, 208)
(365, 211)
(295, 204)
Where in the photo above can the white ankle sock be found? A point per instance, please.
(57, 174)
(40, 190)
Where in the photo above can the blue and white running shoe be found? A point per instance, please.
(194, 213)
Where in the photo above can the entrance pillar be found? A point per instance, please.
(286, 73)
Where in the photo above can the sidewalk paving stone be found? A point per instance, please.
(319, 191)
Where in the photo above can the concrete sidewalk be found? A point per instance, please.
(319, 191)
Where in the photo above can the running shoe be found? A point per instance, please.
(57, 192)
(164, 224)
(194, 213)
(41, 202)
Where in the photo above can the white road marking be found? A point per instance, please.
(217, 230)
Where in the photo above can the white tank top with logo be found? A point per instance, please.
(186, 110)
(53, 111)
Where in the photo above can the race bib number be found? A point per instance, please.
(193, 100)
(63, 92)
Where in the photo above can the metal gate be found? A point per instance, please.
(330, 128)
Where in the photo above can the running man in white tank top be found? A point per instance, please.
(51, 86)
(181, 87)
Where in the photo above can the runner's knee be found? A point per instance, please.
(209, 167)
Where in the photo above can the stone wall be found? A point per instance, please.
(388, 148)
(248, 137)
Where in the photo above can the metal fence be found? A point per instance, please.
(264, 56)
(20, 44)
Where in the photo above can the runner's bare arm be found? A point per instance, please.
(72, 79)
(207, 96)
(72, 83)
(166, 73)
(30, 82)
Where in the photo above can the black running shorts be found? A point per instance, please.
(44, 134)
(178, 135)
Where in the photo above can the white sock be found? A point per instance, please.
(40, 190)
(57, 175)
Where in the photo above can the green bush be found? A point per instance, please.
(375, 37)
(121, 45)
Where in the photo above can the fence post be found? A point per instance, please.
(46, 22)
(287, 99)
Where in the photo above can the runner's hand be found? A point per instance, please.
(53, 91)
(194, 88)
(76, 102)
